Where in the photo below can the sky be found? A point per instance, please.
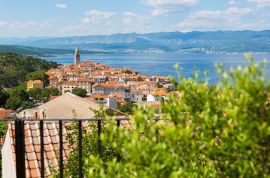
(36, 18)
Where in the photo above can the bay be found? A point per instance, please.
(163, 64)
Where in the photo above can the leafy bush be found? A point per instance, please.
(126, 108)
(220, 131)
(3, 98)
(43, 95)
(79, 92)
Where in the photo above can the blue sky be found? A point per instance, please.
(24, 18)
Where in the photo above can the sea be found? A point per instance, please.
(164, 64)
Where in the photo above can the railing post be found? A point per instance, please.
(61, 148)
(99, 139)
(118, 122)
(20, 148)
(41, 149)
(80, 149)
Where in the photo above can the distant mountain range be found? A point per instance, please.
(26, 50)
(175, 42)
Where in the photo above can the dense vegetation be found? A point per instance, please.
(25, 50)
(18, 98)
(220, 131)
(14, 68)
(79, 92)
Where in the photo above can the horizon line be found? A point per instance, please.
(125, 33)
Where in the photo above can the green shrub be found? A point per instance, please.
(79, 92)
(220, 131)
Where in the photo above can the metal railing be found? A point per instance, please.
(20, 142)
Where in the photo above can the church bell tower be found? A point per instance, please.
(77, 56)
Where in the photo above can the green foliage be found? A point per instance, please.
(221, 131)
(3, 98)
(3, 128)
(126, 108)
(18, 99)
(79, 92)
(43, 95)
(14, 103)
(53, 91)
(14, 68)
(38, 75)
(128, 71)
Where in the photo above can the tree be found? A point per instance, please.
(221, 131)
(79, 92)
(14, 68)
(53, 91)
(38, 75)
(36, 94)
(127, 107)
(128, 71)
(3, 98)
(43, 95)
(18, 92)
(19, 98)
(14, 102)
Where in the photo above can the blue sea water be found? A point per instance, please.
(163, 64)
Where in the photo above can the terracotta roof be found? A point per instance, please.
(116, 95)
(53, 78)
(51, 146)
(87, 64)
(121, 101)
(108, 85)
(53, 97)
(70, 83)
(160, 92)
(4, 113)
(135, 90)
(85, 80)
(97, 95)
(32, 147)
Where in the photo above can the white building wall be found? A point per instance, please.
(151, 98)
(8, 162)
(111, 103)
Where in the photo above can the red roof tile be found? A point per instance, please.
(51, 146)
(4, 113)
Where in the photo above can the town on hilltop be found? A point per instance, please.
(109, 85)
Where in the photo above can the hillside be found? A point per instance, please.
(26, 50)
(15, 67)
(177, 42)
(32, 50)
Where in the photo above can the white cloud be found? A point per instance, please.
(26, 28)
(171, 2)
(161, 12)
(261, 3)
(135, 22)
(33, 25)
(164, 7)
(214, 20)
(130, 17)
(61, 6)
(3, 23)
(233, 2)
(96, 16)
